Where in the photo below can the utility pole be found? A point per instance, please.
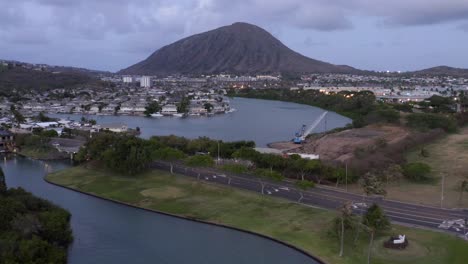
(346, 177)
(464, 228)
(442, 191)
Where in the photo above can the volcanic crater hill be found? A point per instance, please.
(238, 48)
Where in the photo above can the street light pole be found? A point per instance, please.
(442, 191)
(218, 153)
(346, 181)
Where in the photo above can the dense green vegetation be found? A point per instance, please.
(417, 171)
(130, 155)
(200, 161)
(183, 105)
(37, 145)
(32, 230)
(431, 121)
(152, 108)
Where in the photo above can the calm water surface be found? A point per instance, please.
(106, 232)
(263, 121)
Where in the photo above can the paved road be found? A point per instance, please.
(448, 220)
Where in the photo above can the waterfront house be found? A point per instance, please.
(169, 109)
(117, 127)
(6, 138)
(217, 109)
(197, 110)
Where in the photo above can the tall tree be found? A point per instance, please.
(3, 187)
(168, 154)
(374, 220)
(346, 212)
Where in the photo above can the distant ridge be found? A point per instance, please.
(443, 71)
(238, 48)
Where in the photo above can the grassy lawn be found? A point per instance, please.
(447, 156)
(296, 224)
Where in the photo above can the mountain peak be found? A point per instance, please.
(237, 48)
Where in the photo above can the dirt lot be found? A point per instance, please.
(373, 146)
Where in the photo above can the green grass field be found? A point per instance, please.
(299, 225)
(447, 156)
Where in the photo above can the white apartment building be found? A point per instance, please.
(145, 81)
(127, 79)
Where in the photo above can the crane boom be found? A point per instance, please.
(314, 125)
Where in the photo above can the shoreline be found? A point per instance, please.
(318, 260)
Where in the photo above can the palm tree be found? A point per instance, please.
(374, 221)
(346, 212)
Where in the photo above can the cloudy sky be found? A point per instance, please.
(113, 34)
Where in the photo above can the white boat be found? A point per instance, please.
(178, 115)
(231, 110)
(156, 115)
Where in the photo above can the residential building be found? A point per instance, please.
(169, 109)
(127, 79)
(145, 81)
(117, 127)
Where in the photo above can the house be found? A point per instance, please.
(169, 109)
(46, 124)
(126, 108)
(117, 127)
(217, 109)
(6, 138)
(94, 109)
(197, 110)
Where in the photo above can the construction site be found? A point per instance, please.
(362, 149)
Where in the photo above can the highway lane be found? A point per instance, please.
(410, 214)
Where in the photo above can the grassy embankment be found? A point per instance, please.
(296, 224)
(447, 156)
(42, 153)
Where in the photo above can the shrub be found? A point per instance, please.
(389, 115)
(424, 153)
(432, 121)
(49, 133)
(200, 161)
(417, 171)
(305, 184)
(235, 168)
(267, 173)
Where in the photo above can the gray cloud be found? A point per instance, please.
(314, 43)
(138, 27)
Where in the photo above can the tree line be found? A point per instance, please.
(32, 230)
(363, 109)
(131, 155)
